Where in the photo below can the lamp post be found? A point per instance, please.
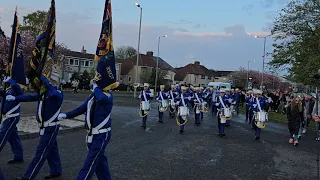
(248, 72)
(138, 51)
(264, 55)
(155, 86)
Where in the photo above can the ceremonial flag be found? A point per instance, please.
(15, 68)
(43, 54)
(105, 58)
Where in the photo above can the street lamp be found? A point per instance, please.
(138, 53)
(155, 86)
(264, 54)
(248, 72)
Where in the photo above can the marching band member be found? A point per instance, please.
(98, 109)
(207, 95)
(197, 98)
(202, 103)
(191, 91)
(145, 96)
(237, 97)
(11, 117)
(221, 103)
(171, 95)
(163, 104)
(259, 104)
(49, 105)
(215, 93)
(293, 116)
(249, 112)
(230, 99)
(182, 101)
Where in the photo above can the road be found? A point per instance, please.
(161, 153)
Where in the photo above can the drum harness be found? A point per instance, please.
(177, 119)
(199, 104)
(223, 105)
(145, 98)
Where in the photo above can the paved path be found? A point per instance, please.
(161, 153)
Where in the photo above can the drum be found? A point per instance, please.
(204, 107)
(183, 111)
(227, 112)
(164, 103)
(145, 106)
(260, 119)
(171, 102)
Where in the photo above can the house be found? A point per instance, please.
(147, 63)
(195, 74)
(79, 62)
(221, 76)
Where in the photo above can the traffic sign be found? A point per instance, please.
(230, 82)
(250, 84)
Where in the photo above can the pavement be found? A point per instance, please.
(160, 152)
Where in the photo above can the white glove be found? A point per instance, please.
(217, 104)
(10, 98)
(230, 100)
(178, 102)
(94, 86)
(189, 98)
(234, 103)
(7, 79)
(254, 105)
(62, 116)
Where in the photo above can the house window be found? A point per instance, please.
(91, 63)
(76, 62)
(82, 63)
(129, 79)
(121, 78)
(203, 77)
(209, 77)
(87, 64)
(71, 62)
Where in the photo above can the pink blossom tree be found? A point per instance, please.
(28, 41)
(269, 81)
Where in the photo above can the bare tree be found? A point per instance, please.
(125, 52)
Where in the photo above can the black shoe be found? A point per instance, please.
(299, 137)
(21, 178)
(51, 176)
(227, 125)
(144, 126)
(13, 161)
(223, 134)
(220, 135)
(257, 138)
(181, 131)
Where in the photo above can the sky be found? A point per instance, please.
(218, 33)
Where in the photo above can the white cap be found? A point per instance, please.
(201, 88)
(55, 76)
(227, 89)
(183, 88)
(237, 89)
(146, 85)
(222, 90)
(173, 86)
(161, 86)
(197, 88)
(232, 89)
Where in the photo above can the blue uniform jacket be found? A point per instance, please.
(186, 98)
(200, 96)
(164, 95)
(225, 101)
(237, 97)
(148, 95)
(102, 109)
(172, 94)
(14, 90)
(51, 103)
(263, 103)
(229, 98)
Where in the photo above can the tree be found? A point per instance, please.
(28, 42)
(125, 52)
(239, 79)
(149, 76)
(75, 76)
(297, 32)
(84, 80)
(2, 33)
(33, 22)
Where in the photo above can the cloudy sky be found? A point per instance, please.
(220, 34)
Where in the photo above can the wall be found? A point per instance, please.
(170, 75)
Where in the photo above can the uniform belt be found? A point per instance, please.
(7, 116)
(47, 124)
(100, 131)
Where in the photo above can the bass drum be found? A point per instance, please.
(260, 119)
(183, 112)
(204, 107)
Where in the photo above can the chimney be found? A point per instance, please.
(150, 53)
(197, 63)
(83, 50)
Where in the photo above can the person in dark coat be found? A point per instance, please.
(293, 116)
